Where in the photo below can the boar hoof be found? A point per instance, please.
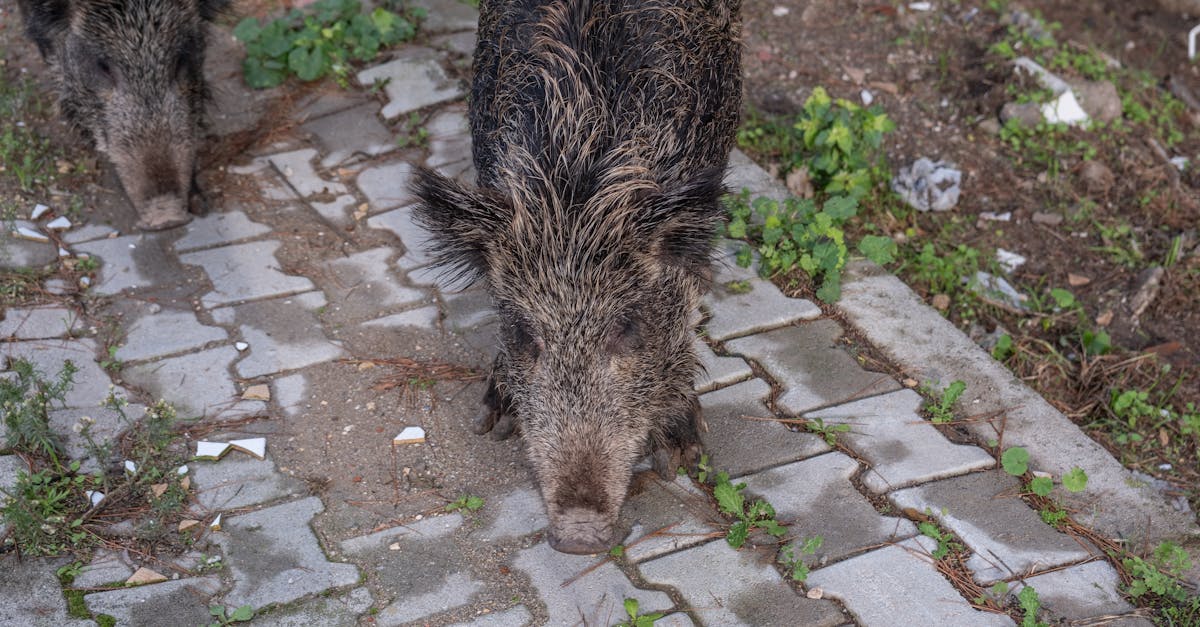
(197, 203)
(581, 537)
(504, 427)
(484, 420)
(666, 462)
(162, 214)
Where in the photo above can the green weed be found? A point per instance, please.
(467, 503)
(221, 615)
(942, 411)
(757, 515)
(1028, 599)
(1156, 580)
(946, 543)
(828, 432)
(636, 619)
(321, 42)
(794, 564)
(412, 134)
(26, 401)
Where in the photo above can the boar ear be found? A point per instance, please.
(462, 222)
(44, 20)
(685, 220)
(211, 9)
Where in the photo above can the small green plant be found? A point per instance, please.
(1028, 599)
(943, 271)
(466, 502)
(412, 134)
(617, 551)
(828, 432)
(703, 469)
(1003, 348)
(794, 564)
(27, 156)
(945, 541)
(26, 403)
(222, 616)
(1015, 461)
(797, 235)
(321, 42)
(45, 511)
(112, 363)
(942, 411)
(757, 515)
(638, 620)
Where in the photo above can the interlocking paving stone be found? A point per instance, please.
(455, 590)
(816, 497)
(449, 137)
(238, 480)
(1079, 592)
(197, 384)
(283, 334)
(427, 569)
(718, 371)
(462, 171)
(165, 333)
(519, 513)
(899, 585)
(762, 307)
(326, 99)
(38, 323)
(351, 132)
(333, 611)
(813, 371)
(108, 423)
(88, 232)
(681, 514)
(296, 166)
(179, 602)
(274, 556)
(724, 586)
(386, 186)
(32, 596)
(218, 228)
(901, 447)
(365, 280)
(677, 619)
(740, 445)
(10, 465)
(458, 43)
(985, 510)
(595, 598)
(336, 211)
(447, 16)
(415, 238)
(106, 567)
(414, 80)
(16, 252)
(744, 173)
(468, 310)
(129, 262)
(47, 356)
(244, 272)
(512, 617)
(423, 318)
(290, 392)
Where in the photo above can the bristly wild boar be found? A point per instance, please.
(130, 77)
(601, 133)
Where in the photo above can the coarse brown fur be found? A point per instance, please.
(601, 132)
(130, 77)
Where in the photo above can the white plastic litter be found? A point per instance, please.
(241, 346)
(928, 185)
(1065, 109)
(130, 467)
(1180, 163)
(211, 450)
(998, 287)
(1009, 260)
(867, 97)
(920, 6)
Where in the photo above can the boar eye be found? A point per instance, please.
(625, 335)
(104, 72)
(524, 341)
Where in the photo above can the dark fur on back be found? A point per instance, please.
(601, 132)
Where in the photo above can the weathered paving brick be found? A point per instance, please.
(901, 447)
(365, 281)
(244, 272)
(717, 371)
(447, 16)
(297, 168)
(414, 80)
(595, 598)
(423, 318)
(238, 480)
(899, 585)
(728, 587)
(179, 602)
(166, 332)
(197, 384)
(743, 173)
(130, 262)
(813, 371)
(425, 568)
(275, 558)
(756, 305)
(88, 232)
(519, 513)
(106, 567)
(16, 252)
(218, 228)
(38, 323)
(106, 425)
(10, 465)
(337, 210)
(1079, 592)
(816, 498)
(386, 186)
(283, 334)
(667, 517)
(351, 132)
(415, 239)
(31, 593)
(91, 383)
(986, 511)
(323, 611)
(290, 392)
(741, 445)
(512, 617)
(449, 138)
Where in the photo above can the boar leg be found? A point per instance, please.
(682, 445)
(495, 411)
(197, 201)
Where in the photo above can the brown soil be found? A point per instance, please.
(933, 74)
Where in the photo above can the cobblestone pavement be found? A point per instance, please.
(311, 257)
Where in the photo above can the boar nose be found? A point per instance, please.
(582, 532)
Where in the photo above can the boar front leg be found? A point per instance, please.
(680, 444)
(496, 412)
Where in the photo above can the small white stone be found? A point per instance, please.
(63, 252)
(780, 11)
(61, 223)
(215, 525)
(182, 470)
(85, 281)
(130, 467)
(95, 496)
(920, 6)
(241, 346)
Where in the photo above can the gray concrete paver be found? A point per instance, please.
(415, 239)
(275, 558)
(754, 305)
(1079, 592)
(296, 166)
(178, 602)
(197, 384)
(365, 281)
(449, 137)
(739, 444)
(385, 186)
(106, 567)
(718, 371)
(728, 587)
(423, 318)
(668, 517)
(283, 334)
(444, 16)
(985, 510)
(519, 513)
(239, 480)
(16, 252)
(38, 323)
(515, 616)
(812, 369)
(595, 598)
(414, 78)
(243, 272)
(899, 585)
(350, 132)
(901, 447)
(322, 611)
(337, 212)
(219, 228)
(32, 596)
(166, 332)
(106, 424)
(91, 383)
(130, 262)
